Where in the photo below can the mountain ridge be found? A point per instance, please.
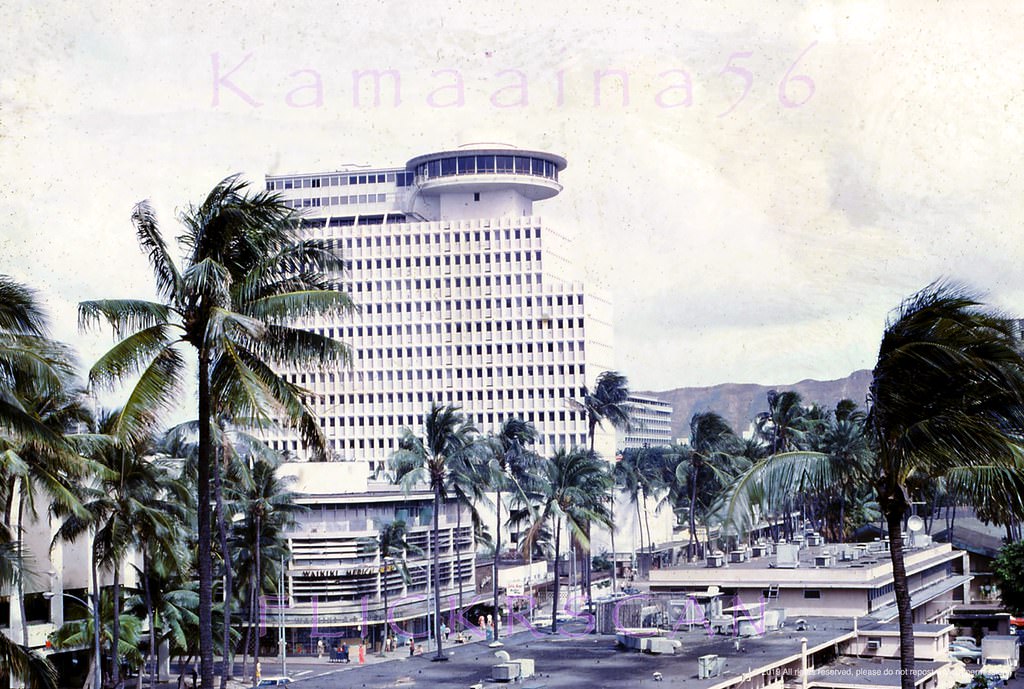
(739, 403)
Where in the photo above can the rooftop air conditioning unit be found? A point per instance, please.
(709, 666)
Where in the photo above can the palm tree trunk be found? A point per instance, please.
(647, 520)
(218, 483)
(148, 594)
(691, 548)
(558, 575)
(437, 573)
(203, 524)
(615, 583)
(639, 522)
(21, 569)
(842, 520)
(906, 616)
(96, 621)
(455, 550)
(497, 554)
(115, 625)
(257, 591)
(248, 631)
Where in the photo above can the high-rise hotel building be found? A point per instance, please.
(465, 297)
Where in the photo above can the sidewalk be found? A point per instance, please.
(310, 667)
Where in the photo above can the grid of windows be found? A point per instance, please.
(469, 312)
(399, 178)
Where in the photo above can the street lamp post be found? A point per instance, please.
(95, 610)
(282, 597)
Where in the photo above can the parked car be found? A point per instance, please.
(967, 642)
(274, 681)
(967, 655)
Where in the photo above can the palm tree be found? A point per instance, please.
(38, 405)
(707, 461)
(389, 545)
(946, 400)
(259, 544)
(512, 468)
(128, 508)
(606, 402)
(120, 633)
(468, 481)
(784, 425)
(247, 276)
(33, 467)
(573, 495)
(448, 440)
(32, 366)
(845, 441)
(236, 448)
(639, 473)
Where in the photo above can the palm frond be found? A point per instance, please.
(147, 231)
(123, 315)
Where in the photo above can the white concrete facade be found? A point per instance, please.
(336, 579)
(650, 423)
(938, 577)
(465, 298)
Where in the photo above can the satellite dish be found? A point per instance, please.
(915, 523)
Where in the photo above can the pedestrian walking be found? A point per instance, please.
(320, 648)
(362, 651)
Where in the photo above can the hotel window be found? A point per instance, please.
(812, 594)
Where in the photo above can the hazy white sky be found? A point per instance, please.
(759, 241)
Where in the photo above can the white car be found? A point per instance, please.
(274, 681)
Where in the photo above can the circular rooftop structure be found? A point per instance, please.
(488, 167)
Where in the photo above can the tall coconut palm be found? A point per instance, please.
(639, 474)
(707, 460)
(468, 481)
(946, 400)
(236, 448)
(247, 275)
(391, 548)
(606, 402)
(32, 467)
(844, 439)
(448, 439)
(268, 509)
(573, 496)
(127, 508)
(784, 425)
(512, 466)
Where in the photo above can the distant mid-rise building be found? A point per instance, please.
(465, 298)
(650, 422)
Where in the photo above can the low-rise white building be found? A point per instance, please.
(336, 580)
(853, 580)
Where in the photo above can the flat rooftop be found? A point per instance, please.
(868, 673)
(572, 659)
(857, 565)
